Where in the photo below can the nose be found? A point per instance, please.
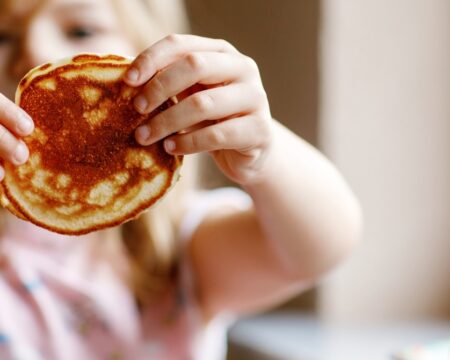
(38, 45)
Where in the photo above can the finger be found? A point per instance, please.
(191, 90)
(14, 118)
(213, 104)
(12, 149)
(165, 51)
(241, 134)
(195, 68)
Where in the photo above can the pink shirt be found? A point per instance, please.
(60, 300)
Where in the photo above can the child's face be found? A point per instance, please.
(34, 32)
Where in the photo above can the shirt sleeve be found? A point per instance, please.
(210, 340)
(202, 203)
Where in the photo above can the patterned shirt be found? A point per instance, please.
(61, 299)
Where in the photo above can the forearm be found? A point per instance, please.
(304, 207)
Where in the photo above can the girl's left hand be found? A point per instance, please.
(229, 117)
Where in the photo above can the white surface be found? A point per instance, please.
(292, 336)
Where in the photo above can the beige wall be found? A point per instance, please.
(386, 123)
(282, 36)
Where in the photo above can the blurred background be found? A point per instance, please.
(368, 82)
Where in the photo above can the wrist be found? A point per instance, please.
(267, 165)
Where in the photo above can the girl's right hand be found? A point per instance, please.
(14, 124)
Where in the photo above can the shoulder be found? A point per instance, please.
(200, 205)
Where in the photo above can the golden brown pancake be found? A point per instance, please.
(7, 204)
(86, 171)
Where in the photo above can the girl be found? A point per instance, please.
(165, 286)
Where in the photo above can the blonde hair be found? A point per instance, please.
(150, 241)
(148, 20)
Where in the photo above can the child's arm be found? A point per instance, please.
(305, 218)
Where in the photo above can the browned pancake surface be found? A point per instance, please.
(85, 166)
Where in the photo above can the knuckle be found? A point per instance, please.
(226, 46)
(215, 137)
(196, 62)
(8, 143)
(264, 127)
(157, 125)
(156, 87)
(174, 39)
(8, 114)
(260, 95)
(3, 134)
(251, 63)
(193, 143)
(202, 102)
(8, 110)
(231, 132)
(145, 60)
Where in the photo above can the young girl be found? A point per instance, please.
(166, 285)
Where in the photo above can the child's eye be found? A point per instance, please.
(80, 32)
(5, 38)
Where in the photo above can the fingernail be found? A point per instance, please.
(2, 173)
(25, 125)
(21, 154)
(143, 135)
(169, 145)
(132, 75)
(141, 103)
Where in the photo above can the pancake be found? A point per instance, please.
(4, 201)
(86, 171)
